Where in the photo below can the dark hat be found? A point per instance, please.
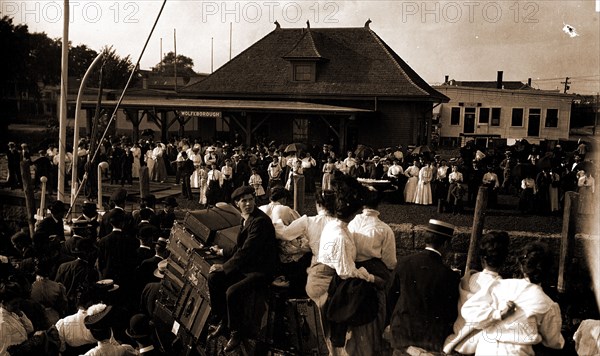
(159, 272)
(139, 327)
(88, 205)
(171, 201)
(119, 195)
(162, 241)
(440, 228)
(241, 191)
(100, 320)
(83, 245)
(58, 207)
(10, 291)
(149, 198)
(147, 231)
(106, 285)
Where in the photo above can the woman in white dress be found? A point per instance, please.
(410, 189)
(150, 162)
(423, 194)
(515, 314)
(202, 173)
(136, 152)
(197, 159)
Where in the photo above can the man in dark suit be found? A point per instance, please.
(117, 201)
(52, 224)
(117, 251)
(250, 265)
(423, 295)
(376, 169)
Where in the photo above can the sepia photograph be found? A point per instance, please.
(299, 178)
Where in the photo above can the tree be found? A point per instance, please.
(116, 70)
(80, 59)
(184, 64)
(14, 45)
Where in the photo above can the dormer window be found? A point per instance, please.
(304, 72)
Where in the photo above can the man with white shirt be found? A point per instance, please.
(309, 166)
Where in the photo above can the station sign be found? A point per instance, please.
(207, 114)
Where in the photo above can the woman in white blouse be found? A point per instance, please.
(515, 314)
(337, 249)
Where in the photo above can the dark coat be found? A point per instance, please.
(256, 247)
(422, 299)
(49, 227)
(116, 256)
(77, 276)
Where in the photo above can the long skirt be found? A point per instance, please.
(213, 192)
(202, 187)
(423, 194)
(554, 199)
(410, 190)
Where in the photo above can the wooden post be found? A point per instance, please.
(101, 166)
(567, 235)
(299, 193)
(144, 181)
(29, 198)
(477, 230)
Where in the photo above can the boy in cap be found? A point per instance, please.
(423, 295)
(250, 265)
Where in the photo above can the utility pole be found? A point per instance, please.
(175, 49)
(566, 83)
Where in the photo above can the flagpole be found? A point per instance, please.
(64, 77)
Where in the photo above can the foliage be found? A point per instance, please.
(184, 64)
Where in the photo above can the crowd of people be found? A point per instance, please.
(209, 172)
(94, 291)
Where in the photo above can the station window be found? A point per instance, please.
(484, 116)
(496, 116)
(552, 118)
(455, 116)
(517, 117)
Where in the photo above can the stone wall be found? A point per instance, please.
(410, 238)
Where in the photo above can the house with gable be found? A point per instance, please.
(342, 86)
(500, 112)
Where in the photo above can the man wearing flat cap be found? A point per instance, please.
(423, 295)
(250, 265)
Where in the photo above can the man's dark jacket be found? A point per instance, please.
(256, 247)
(423, 298)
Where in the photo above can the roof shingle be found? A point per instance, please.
(359, 63)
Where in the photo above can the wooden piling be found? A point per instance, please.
(567, 236)
(29, 198)
(477, 229)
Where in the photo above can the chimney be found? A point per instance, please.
(446, 78)
(528, 82)
(499, 80)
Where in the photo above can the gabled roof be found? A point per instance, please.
(359, 63)
(509, 85)
(305, 48)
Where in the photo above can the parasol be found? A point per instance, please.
(363, 152)
(295, 147)
(421, 150)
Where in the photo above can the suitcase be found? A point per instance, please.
(302, 331)
(227, 238)
(181, 243)
(192, 310)
(197, 271)
(206, 222)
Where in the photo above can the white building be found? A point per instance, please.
(502, 111)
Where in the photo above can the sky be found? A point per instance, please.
(466, 40)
